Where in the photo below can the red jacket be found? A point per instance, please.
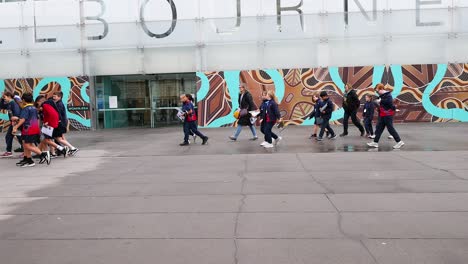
(51, 115)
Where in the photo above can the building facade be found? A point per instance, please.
(124, 63)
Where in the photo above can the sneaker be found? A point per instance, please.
(333, 137)
(184, 144)
(372, 136)
(53, 155)
(399, 145)
(263, 143)
(19, 150)
(312, 136)
(373, 144)
(343, 134)
(73, 152)
(45, 157)
(277, 141)
(254, 138)
(205, 140)
(6, 155)
(65, 151)
(21, 162)
(390, 137)
(232, 138)
(319, 139)
(28, 163)
(269, 145)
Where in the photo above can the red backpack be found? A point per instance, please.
(388, 112)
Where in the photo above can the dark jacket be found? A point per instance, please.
(12, 108)
(368, 112)
(269, 111)
(386, 101)
(328, 104)
(246, 103)
(351, 101)
(61, 109)
(316, 112)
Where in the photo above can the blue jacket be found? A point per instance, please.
(368, 112)
(61, 109)
(328, 109)
(270, 108)
(316, 112)
(12, 107)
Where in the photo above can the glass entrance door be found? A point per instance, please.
(141, 100)
(165, 93)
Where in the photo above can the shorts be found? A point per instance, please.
(31, 139)
(55, 134)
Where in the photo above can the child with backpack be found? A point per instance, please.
(386, 111)
(368, 115)
(190, 120)
(270, 115)
(326, 109)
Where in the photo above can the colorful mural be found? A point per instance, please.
(75, 93)
(424, 93)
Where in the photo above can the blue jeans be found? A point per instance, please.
(9, 139)
(239, 129)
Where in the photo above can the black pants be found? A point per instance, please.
(191, 127)
(368, 126)
(386, 121)
(355, 120)
(266, 128)
(326, 125)
(9, 139)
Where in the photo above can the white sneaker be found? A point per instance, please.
(390, 137)
(399, 145)
(277, 141)
(268, 145)
(373, 136)
(263, 143)
(373, 144)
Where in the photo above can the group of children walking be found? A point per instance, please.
(322, 113)
(39, 125)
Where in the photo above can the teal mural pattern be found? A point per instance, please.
(423, 93)
(75, 96)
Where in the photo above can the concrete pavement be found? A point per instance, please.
(135, 196)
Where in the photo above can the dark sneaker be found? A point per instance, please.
(65, 151)
(184, 144)
(205, 140)
(21, 162)
(53, 155)
(73, 152)
(232, 138)
(343, 134)
(18, 150)
(28, 163)
(45, 157)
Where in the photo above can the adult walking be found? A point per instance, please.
(351, 106)
(246, 104)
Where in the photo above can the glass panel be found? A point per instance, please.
(165, 91)
(122, 118)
